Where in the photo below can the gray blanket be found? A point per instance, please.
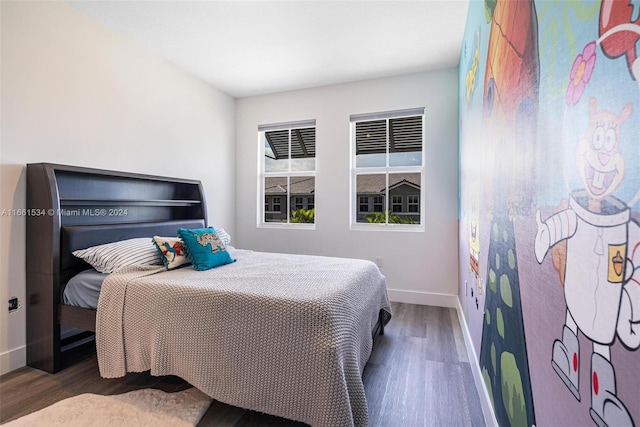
(287, 335)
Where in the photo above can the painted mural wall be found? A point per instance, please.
(550, 213)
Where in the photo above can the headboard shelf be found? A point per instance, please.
(126, 202)
(82, 207)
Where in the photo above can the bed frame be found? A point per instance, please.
(69, 208)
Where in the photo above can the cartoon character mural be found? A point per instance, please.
(470, 203)
(619, 33)
(476, 288)
(472, 70)
(550, 192)
(471, 79)
(474, 239)
(596, 242)
(599, 292)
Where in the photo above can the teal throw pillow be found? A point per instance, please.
(204, 248)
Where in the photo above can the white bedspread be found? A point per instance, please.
(287, 335)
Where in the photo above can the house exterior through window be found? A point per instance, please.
(287, 173)
(387, 169)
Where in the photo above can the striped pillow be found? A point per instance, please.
(224, 236)
(109, 257)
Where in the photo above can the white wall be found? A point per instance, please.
(420, 267)
(74, 92)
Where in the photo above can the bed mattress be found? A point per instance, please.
(287, 335)
(83, 289)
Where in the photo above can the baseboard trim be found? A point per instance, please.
(485, 400)
(13, 359)
(423, 298)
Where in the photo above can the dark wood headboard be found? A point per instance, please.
(71, 208)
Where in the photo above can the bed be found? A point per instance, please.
(287, 335)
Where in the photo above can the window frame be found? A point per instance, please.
(289, 197)
(356, 171)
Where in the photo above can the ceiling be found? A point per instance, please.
(248, 48)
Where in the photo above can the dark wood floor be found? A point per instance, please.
(418, 375)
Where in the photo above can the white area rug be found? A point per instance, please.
(146, 407)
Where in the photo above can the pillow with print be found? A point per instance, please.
(204, 248)
(172, 250)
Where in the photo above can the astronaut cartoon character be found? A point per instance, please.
(602, 293)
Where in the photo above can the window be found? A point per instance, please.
(276, 204)
(396, 203)
(287, 173)
(413, 203)
(378, 205)
(364, 204)
(387, 167)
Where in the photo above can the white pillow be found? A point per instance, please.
(111, 256)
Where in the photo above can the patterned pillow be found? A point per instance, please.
(204, 248)
(172, 250)
(109, 257)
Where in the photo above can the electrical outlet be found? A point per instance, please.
(13, 304)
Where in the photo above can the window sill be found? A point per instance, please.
(290, 226)
(416, 228)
